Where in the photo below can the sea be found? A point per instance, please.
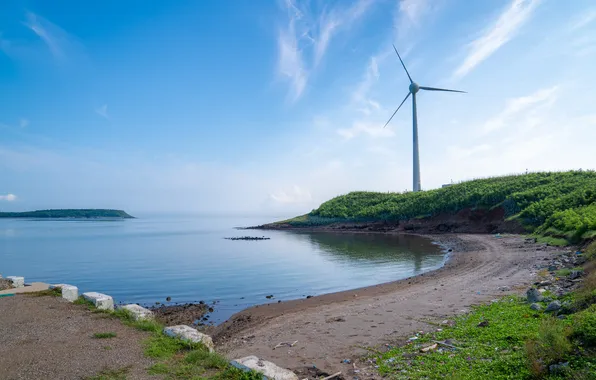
(186, 258)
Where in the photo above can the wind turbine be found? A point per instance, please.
(413, 89)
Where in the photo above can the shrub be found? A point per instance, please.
(551, 346)
(584, 326)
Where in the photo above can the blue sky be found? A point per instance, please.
(277, 106)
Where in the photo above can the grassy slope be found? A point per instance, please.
(68, 213)
(559, 204)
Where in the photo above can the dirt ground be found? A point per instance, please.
(50, 338)
(334, 327)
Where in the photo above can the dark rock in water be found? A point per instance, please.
(211, 310)
(533, 295)
(553, 306)
(168, 299)
(247, 238)
(201, 302)
(307, 297)
(575, 274)
(186, 314)
(279, 301)
(269, 296)
(536, 306)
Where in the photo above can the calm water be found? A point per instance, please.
(148, 259)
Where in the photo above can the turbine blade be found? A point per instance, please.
(439, 89)
(401, 104)
(402, 63)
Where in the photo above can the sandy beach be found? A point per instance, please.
(334, 327)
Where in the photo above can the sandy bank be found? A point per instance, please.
(333, 327)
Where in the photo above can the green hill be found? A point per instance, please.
(557, 204)
(68, 213)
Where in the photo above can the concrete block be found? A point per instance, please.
(17, 282)
(101, 301)
(69, 292)
(138, 312)
(267, 368)
(189, 334)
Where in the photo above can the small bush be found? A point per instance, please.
(105, 335)
(584, 326)
(586, 294)
(551, 346)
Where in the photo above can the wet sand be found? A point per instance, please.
(334, 327)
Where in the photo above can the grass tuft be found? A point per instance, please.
(56, 292)
(106, 335)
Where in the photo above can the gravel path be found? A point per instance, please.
(50, 338)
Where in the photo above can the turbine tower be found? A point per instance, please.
(413, 89)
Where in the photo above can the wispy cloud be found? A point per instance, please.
(413, 10)
(309, 34)
(497, 35)
(103, 111)
(583, 20)
(23, 123)
(526, 106)
(8, 197)
(60, 43)
(331, 22)
(291, 63)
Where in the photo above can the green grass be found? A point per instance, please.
(560, 205)
(56, 292)
(106, 335)
(555, 242)
(515, 339)
(174, 358)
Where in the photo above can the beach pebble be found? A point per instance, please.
(553, 306)
(533, 295)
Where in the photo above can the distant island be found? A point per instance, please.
(69, 213)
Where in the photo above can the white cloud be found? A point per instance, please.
(8, 197)
(498, 34)
(103, 111)
(530, 105)
(294, 195)
(370, 129)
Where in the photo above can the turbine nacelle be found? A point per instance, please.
(414, 87)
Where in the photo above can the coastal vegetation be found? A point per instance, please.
(68, 213)
(508, 339)
(173, 358)
(556, 205)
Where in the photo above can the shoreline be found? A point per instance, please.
(274, 309)
(333, 327)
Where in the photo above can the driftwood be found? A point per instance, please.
(332, 376)
(285, 344)
(446, 344)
